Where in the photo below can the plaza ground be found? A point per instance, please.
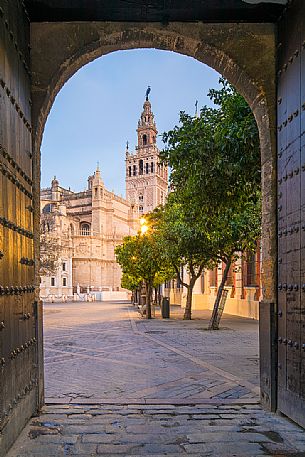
(117, 384)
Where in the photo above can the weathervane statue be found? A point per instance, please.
(147, 93)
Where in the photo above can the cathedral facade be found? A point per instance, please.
(87, 226)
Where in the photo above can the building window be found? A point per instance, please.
(147, 168)
(129, 171)
(167, 284)
(64, 282)
(202, 282)
(134, 170)
(179, 284)
(52, 282)
(152, 167)
(47, 208)
(251, 270)
(141, 198)
(141, 209)
(85, 229)
(144, 140)
(141, 167)
(213, 277)
(64, 266)
(230, 277)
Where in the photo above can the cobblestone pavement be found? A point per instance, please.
(159, 430)
(105, 351)
(117, 384)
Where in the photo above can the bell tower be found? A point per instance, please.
(146, 178)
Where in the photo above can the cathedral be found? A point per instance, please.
(87, 226)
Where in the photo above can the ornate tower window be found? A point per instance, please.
(152, 167)
(129, 171)
(85, 229)
(134, 170)
(144, 140)
(147, 168)
(141, 167)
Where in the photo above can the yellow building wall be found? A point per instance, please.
(244, 307)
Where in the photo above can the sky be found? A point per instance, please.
(97, 111)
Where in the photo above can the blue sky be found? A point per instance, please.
(97, 111)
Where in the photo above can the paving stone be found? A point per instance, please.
(80, 448)
(148, 400)
(115, 449)
(100, 438)
(165, 449)
(226, 437)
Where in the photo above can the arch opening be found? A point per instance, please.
(253, 90)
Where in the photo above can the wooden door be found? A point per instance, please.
(291, 220)
(18, 339)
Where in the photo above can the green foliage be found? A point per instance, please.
(180, 238)
(215, 161)
(141, 260)
(130, 282)
(215, 158)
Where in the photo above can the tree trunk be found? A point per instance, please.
(139, 301)
(214, 325)
(189, 297)
(148, 301)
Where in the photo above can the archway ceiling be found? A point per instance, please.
(155, 10)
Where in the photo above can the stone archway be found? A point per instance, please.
(60, 49)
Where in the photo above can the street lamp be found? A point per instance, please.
(144, 226)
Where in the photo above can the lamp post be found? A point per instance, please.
(143, 230)
(144, 226)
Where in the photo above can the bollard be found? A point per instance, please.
(165, 308)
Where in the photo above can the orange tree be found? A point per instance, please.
(140, 258)
(215, 161)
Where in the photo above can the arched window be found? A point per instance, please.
(134, 170)
(129, 171)
(47, 208)
(141, 167)
(152, 167)
(147, 168)
(144, 140)
(85, 229)
(140, 209)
